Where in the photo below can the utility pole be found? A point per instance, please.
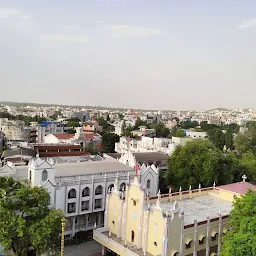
(63, 222)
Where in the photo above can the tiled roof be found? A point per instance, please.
(89, 136)
(238, 187)
(64, 136)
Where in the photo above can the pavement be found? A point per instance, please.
(91, 248)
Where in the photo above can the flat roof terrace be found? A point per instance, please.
(199, 207)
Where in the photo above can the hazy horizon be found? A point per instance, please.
(135, 54)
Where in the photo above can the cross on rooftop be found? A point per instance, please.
(244, 177)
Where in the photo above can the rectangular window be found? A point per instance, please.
(97, 204)
(85, 205)
(71, 207)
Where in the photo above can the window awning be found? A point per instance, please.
(201, 236)
(188, 240)
(213, 233)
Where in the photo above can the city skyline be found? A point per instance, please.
(142, 55)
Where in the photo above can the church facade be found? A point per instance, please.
(189, 223)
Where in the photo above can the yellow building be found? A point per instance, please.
(184, 223)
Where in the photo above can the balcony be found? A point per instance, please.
(116, 244)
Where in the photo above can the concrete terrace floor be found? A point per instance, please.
(91, 248)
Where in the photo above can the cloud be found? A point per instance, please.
(119, 31)
(5, 13)
(247, 24)
(64, 38)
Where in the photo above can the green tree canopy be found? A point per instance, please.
(217, 137)
(161, 129)
(72, 124)
(189, 124)
(139, 123)
(198, 162)
(247, 140)
(177, 133)
(229, 139)
(108, 142)
(26, 220)
(240, 240)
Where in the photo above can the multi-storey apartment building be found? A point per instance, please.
(47, 128)
(13, 129)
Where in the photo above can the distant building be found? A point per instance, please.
(195, 135)
(47, 128)
(143, 131)
(91, 126)
(58, 138)
(13, 129)
(147, 144)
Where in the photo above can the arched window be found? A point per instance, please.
(110, 187)
(98, 190)
(148, 183)
(86, 192)
(132, 236)
(122, 187)
(30, 175)
(72, 193)
(44, 175)
(201, 241)
(189, 244)
(214, 236)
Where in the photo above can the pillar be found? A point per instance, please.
(190, 192)
(208, 237)
(165, 240)
(220, 233)
(195, 238)
(103, 250)
(182, 234)
(73, 226)
(180, 194)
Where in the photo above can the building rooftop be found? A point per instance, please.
(78, 169)
(64, 136)
(199, 207)
(238, 187)
(75, 159)
(150, 156)
(75, 169)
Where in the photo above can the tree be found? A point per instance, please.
(28, 221)
(217, 137)
(72, 124)
(189, 124)
(139, 123)
(248, 162)
(198, 162)
(177, 133)
(128, 131)
(229, 139)
(56, 114)
(108, 142)
(161, 129)
(247, 140)
(240, 240)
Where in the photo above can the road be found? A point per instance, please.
(90, 248)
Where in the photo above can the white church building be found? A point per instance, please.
(80, 188)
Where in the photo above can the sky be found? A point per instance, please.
(165, 54)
